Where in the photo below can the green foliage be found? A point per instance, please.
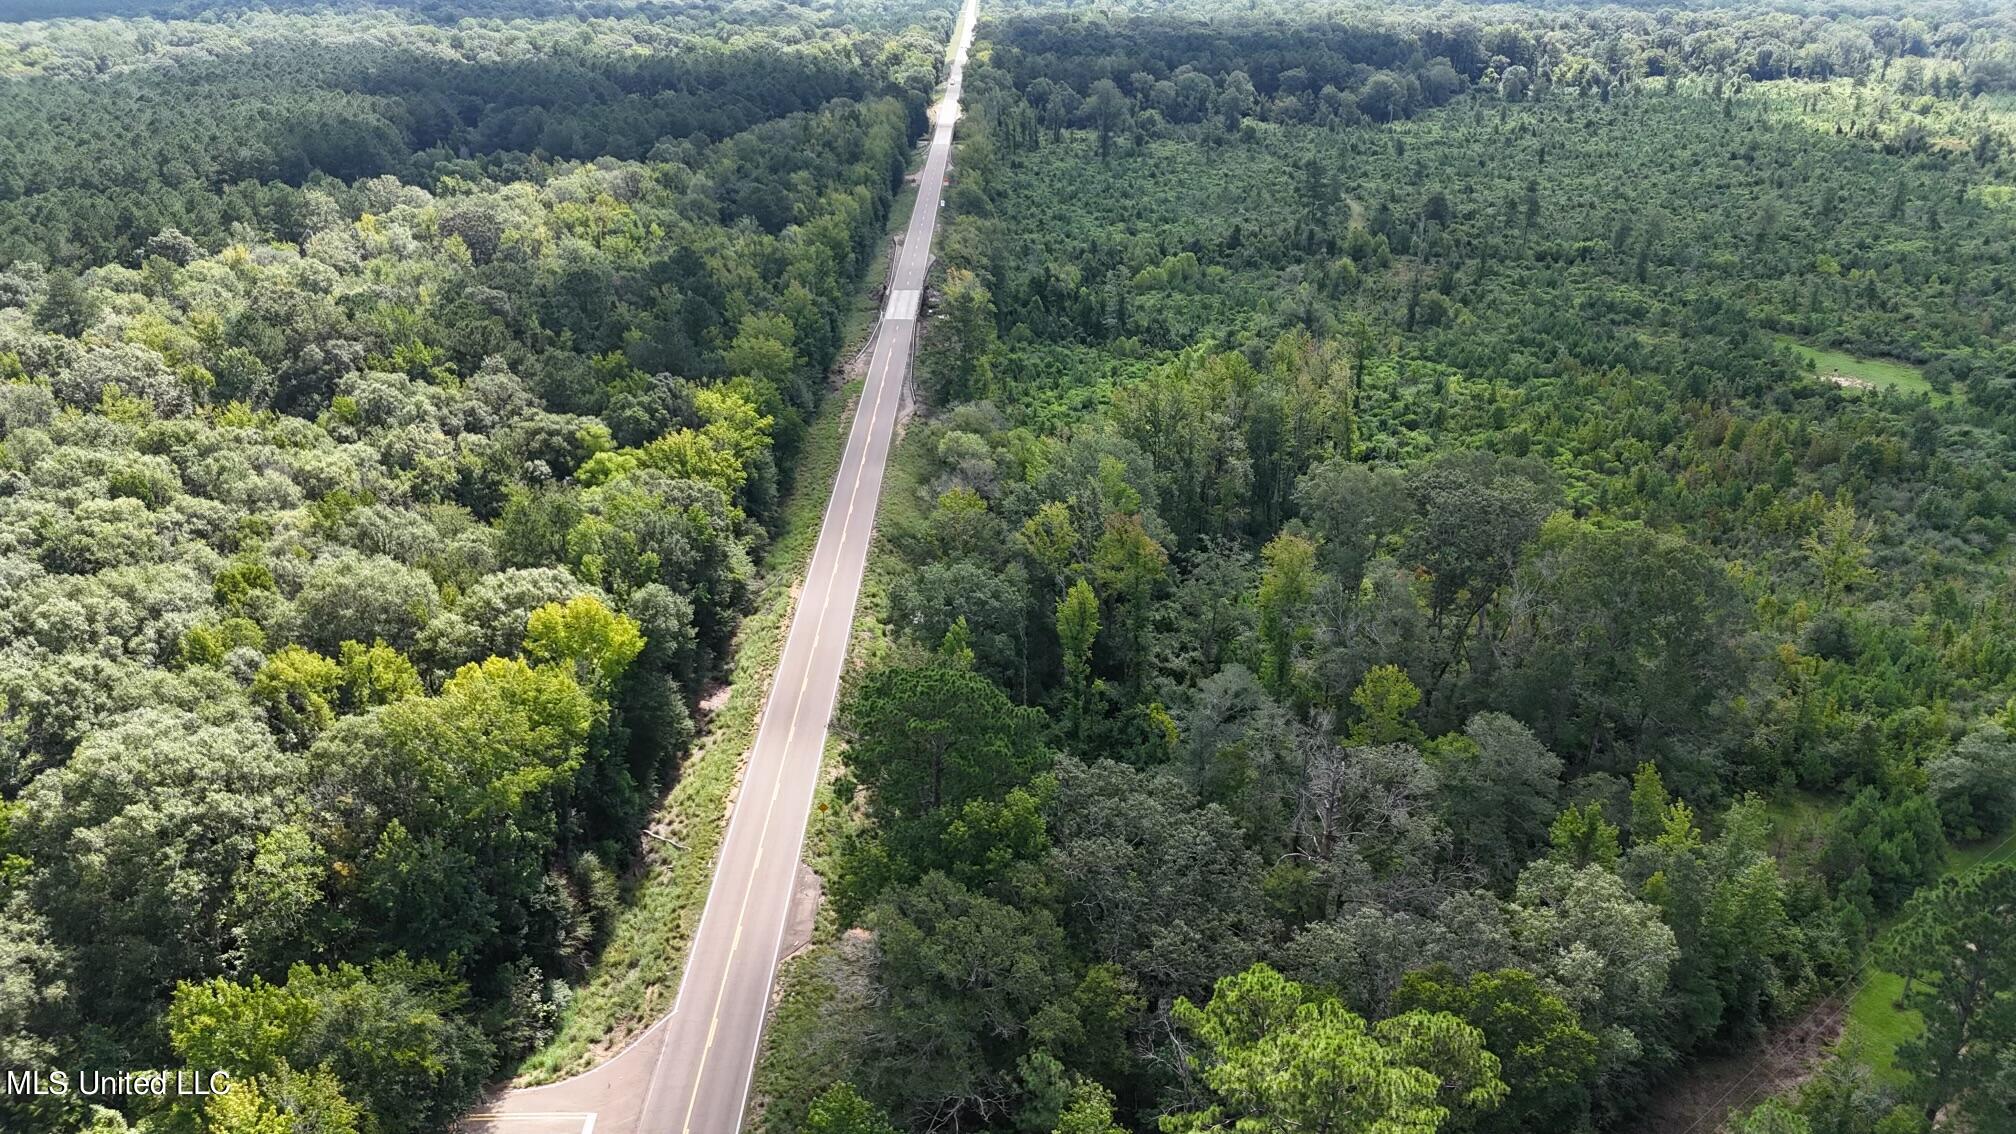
(1151, 881)
(1287, 582)
(988, 605)
(1580, 836)
(1498, 791)
(1090, 1111)
(66, 308)
(959, 356)
(138, 841)
(390, 431)
(1974, 785)
(1770, 1117)
(1077, 631)
(376, 675)
(1545, 1056)
(1840, 550)
(596, 644)
(1078, 627)
(1954, 947)
(1275, 1056)
(1640, 627)
(389, 1036)
(1451, 373)
(843, 1111)
(345, 95)
(391, 413)
(1885, 846)
(283, 1102)
(297, 688)
(921, 739)
(1383, 701)
(971, 982)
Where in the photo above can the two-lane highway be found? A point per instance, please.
(715, 1035)
(702, 1057)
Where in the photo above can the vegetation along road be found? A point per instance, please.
(692, 1074)
(1442, 566)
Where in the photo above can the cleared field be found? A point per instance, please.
(1865, 373)
(1876, 1026)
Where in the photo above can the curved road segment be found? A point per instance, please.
(690, 1073)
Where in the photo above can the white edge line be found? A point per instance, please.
(863, 430)
(621, 1052)
(686, 969)
(825, 730)
(587, 1117)
(797, 856)
(874, 340)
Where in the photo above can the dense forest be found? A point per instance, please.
(119, 129)
(1454, 578)
(1452, 574)
(390, 412)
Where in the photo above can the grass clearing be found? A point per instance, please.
(1798, 821)
(1855, 373)
(1876, 1025)
(1987, 852)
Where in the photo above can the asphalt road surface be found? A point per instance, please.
(690, 1074)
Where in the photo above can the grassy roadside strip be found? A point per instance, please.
(822, 992)
(636, 978)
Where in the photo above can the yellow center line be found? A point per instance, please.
(790, 736)
(880, 395)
